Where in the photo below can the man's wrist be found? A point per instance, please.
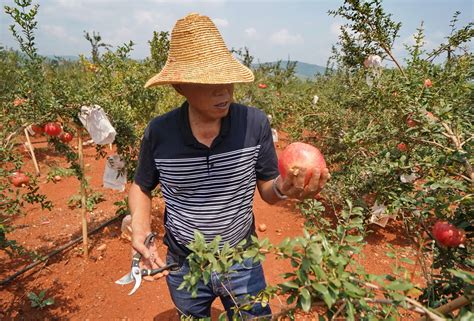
(276, 190)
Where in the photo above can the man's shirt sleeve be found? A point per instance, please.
(267, 162)
(146, 174)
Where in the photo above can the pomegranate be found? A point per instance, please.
(19, 101)
(38, 129)
(428, 83)
(262, 86)
(300, 155)
(52, 129)
(19, 179)
(410, 122)
(402, 147)
(447, 234)
(431, 116)
(66, 137)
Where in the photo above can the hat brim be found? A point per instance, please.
(224, 71)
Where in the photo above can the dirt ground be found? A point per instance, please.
(84, 288)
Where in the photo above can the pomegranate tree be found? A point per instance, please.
(298, 156)
(447, 234)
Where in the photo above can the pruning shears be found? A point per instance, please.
(137, 273)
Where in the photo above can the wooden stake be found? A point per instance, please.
(32, 152)
(83, 182)
(450, 306)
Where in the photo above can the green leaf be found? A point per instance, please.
(49, 301)
(354, 238)
(319, 272)
(325, 294)
(352, 289)
(399, 286)
(407, 260)
(305, 299)
(223, 316)
(350, 311)
(464, 275)
(290, 285)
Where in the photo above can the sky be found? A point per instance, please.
(273, 30)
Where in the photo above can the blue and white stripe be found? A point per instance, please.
(211, 194)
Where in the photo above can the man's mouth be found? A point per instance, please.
(222, 104)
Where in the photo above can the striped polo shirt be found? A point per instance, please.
(209, 189)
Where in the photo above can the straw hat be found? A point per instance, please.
(199, 55)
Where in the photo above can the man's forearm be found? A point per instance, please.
(139, 203)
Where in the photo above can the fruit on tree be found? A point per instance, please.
(52, 129)
(19, 179)
(38, 129)
(402, 147)
(66, 137)
(410, 122)
(19, 101)
(447, 234)
(262, 86)
(431, 116)
(428, 83)
(298, 156)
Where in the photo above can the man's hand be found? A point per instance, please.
(294, 186)
(150, 258)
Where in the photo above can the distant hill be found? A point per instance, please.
(303, 69)
(68, 58)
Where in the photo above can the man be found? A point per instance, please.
(208, 156)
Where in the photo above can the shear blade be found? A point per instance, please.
(126, 279)
(137, 284)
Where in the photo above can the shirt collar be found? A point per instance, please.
(187, 133)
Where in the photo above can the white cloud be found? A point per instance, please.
(59, 32)
(283, 37)
(251, 32)
(219, 22)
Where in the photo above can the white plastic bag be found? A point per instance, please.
(126, 227)
(379, 216)
(373, 61)
(374, 65)
(315, 99)
(97, 123)
(114, 175)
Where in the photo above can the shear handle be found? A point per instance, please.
(151, 272)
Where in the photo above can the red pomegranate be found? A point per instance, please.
(38, 129)
(19, 179)
(300, 155)
(402, 147)
(447, 234)
(52, 129)
(66, 137)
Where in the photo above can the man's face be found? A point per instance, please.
(209, 101)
